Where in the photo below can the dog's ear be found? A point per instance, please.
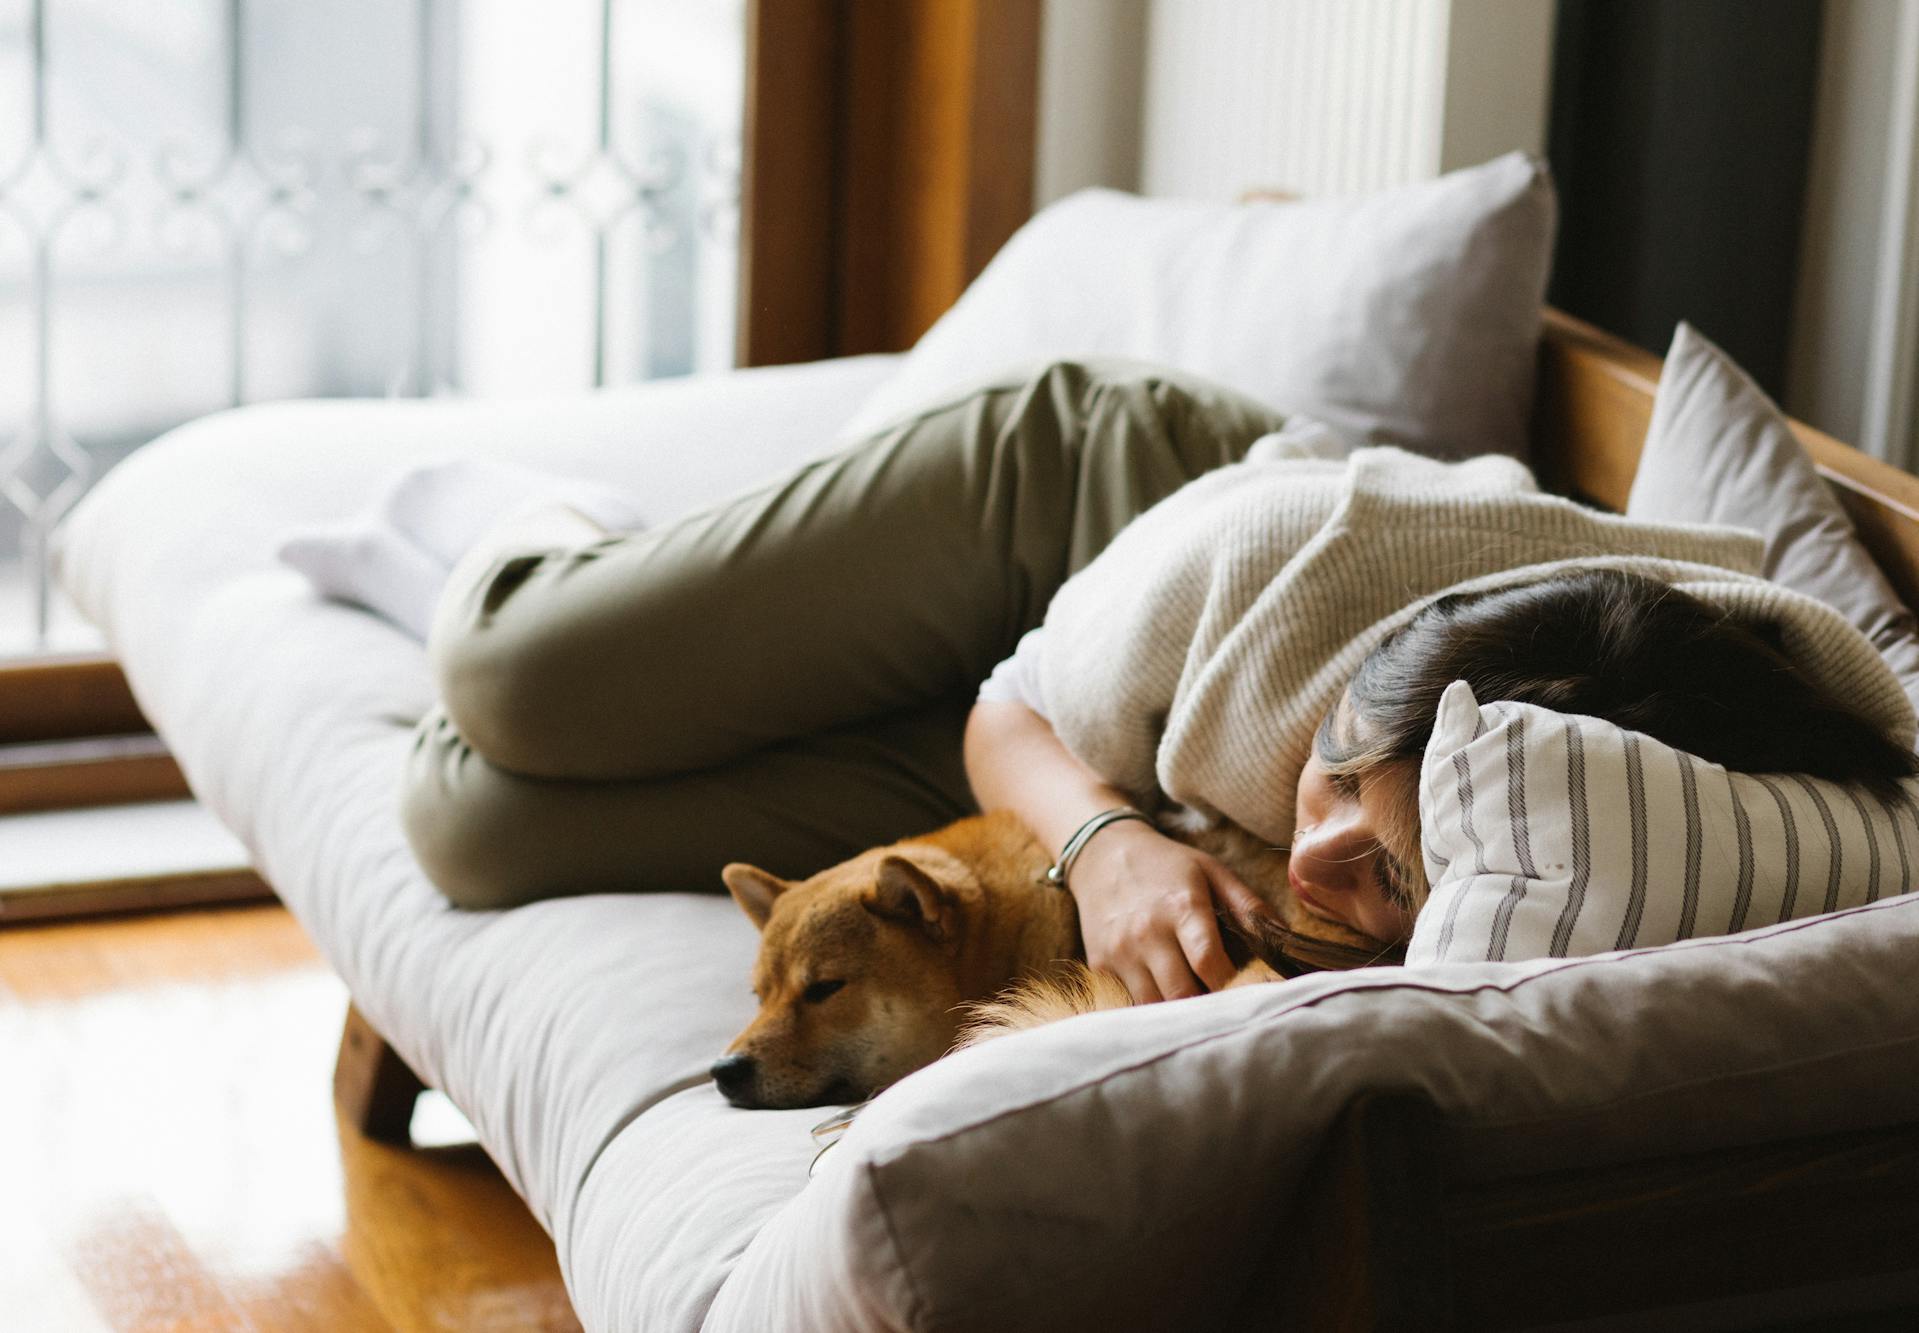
(905, 893)
(754, 890)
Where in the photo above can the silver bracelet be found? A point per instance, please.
(1057, 872)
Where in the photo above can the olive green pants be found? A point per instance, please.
(783, 678)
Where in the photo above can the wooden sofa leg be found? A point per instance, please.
(372, 1086)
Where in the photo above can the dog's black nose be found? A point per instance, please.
(735, 1075)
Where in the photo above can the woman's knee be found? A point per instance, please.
(493, 657)
(461, 821)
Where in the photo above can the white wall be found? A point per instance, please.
(1210, 98)
(1845, 205)
(1090, 78)
(1855, 358)
(1306, 96)
(1499, 64)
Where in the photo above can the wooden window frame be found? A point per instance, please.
(71, 736)
(889, 153)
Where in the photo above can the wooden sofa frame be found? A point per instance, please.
(1821, 1230)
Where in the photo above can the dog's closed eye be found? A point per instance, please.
(820, 990)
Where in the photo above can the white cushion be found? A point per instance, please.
(1410, 316)
(1719, 451)
(1553, 836)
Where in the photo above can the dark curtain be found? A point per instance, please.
(1679, 138)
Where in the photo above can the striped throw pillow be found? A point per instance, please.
(1552, 836)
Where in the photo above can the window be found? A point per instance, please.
(212, 202)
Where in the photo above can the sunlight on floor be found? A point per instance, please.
(119, 1164)
(177, 1162)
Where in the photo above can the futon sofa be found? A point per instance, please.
(1305, 1152)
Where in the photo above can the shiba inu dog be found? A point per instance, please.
(869, 969)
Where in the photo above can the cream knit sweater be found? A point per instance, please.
(1194, 658)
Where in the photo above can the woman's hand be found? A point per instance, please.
(1146, 902)
(1146, 911)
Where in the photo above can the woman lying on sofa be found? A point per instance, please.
(796, 675)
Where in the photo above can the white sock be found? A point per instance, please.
(444, 508)
(367, 563)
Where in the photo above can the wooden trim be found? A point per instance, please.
(937, 165)
(1591, 411)
(71, 735)
(788, 274)
(154, 893)
(1002, 132)
(57, 698)
(889, 154)
(103, 770)
(903, 181)
(374, 1089)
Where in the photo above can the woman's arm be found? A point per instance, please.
(1146, 903)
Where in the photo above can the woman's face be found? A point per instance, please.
(1340, 870)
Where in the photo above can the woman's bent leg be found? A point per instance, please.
(490, 839)
(883, 578)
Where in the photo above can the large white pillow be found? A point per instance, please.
(1720, 451)
(1410, 316)
(1554, 836)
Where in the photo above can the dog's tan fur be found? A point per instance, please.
(925, 933)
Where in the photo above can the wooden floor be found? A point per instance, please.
(172, 1159)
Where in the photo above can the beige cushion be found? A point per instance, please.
(1410, 316)
(1719, 451)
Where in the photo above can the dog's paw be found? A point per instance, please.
(1071, 989)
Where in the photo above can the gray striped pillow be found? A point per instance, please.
(1551, 836)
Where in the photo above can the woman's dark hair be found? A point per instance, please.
(1604, 643)
(1632, 650)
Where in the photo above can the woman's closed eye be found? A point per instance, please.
(1391, 879)
(1388, 875)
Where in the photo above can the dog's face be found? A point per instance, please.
(857, 977)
